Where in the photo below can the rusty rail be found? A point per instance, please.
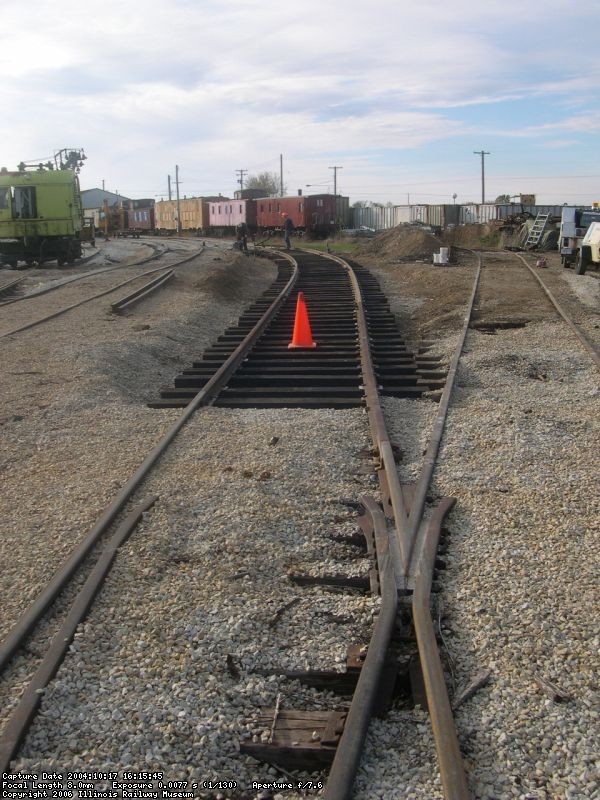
(408, 568)
(347, 757)
(32, 615)
(10, 285)
(452, 771)
(22, 715)
(101, 270)
(418, 504)
(62, 311)
(589, 346)
(140, 294)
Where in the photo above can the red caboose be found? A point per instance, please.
(140, 215)
(315, 213)
(320, 214)
(271, 212)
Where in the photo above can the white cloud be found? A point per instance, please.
(225, 85)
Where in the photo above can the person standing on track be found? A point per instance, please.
(242, 236)
(288, 227)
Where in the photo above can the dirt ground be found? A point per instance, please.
(430, 299)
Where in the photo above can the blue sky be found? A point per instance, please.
(398, 94)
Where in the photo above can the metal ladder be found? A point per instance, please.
(535, 234)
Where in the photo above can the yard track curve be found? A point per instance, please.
(403, 546)
(48, 317)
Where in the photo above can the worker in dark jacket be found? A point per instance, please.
(242, 236)
(288, 227)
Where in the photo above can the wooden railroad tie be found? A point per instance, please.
(304, 740)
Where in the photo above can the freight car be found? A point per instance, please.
(194, 214)
(317, 214)
(41, 216)
(225, 215)
(140, 215)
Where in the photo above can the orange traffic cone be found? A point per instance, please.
(302, 334)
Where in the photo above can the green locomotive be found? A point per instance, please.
(41, 216)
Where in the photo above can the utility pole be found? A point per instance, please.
(241, 173)
(335, 169)
(169, 183)
(177, 194)
(105, 207)
(281, 175)
(483, 154)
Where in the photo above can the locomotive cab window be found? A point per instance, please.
(4, 198)
(25, 206)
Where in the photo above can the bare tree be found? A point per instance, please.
(269, 181)
(502, 198)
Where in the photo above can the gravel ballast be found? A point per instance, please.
(72, 408)
(161, 675)
(201, 580)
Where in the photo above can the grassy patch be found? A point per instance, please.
(334, 247)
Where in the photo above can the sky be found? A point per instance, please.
(400, 95)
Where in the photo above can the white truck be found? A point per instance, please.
(589, 252)
(574, 227)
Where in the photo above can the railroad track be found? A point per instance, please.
(591, 348)
(60, 283)
(357, 342)
(330, 376)
(8, 287)
(64, 309)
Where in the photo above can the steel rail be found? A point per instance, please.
(429, 461)
(141, 293)
(205, 396)
(347, 757)
(406, 527)
(21, 716)
(8, 286)
(589, 346)
(62, 311)
(451, 768)
(45, 290)
(379, 432)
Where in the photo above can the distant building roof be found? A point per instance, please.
(196, 197)
(249, 194)
(94, 198)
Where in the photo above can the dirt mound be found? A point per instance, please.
(487, 235)
(230, 278)
(403, 241)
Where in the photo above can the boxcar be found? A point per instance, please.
(318, 214)
(271, 212)
(321, 214)
(224, 214)
(140, 215)
(194, 214)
